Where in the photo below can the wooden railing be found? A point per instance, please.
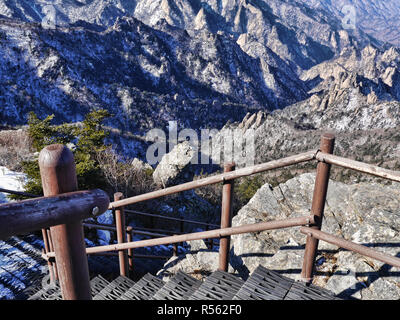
(311, 226)
(59, 172)
(62, 209)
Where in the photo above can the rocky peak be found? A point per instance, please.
(376, 18)
(174, 167)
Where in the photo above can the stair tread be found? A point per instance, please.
(219, 285)
(302, 291)
(51, 292)
(179, 287)
(97, 284)
(115, 289)
(144, 289)
(264, 284)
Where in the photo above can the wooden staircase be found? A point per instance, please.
(263, 284)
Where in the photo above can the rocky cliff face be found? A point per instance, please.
(174, 169)
(367, 214)
(364, 213)
(355, 96)
(143, 76)
(212, 60)
(150, 62)
(378, 18)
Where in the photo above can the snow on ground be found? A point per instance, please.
(20, 260)
(20, 257)
(10, 180)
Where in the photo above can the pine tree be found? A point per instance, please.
(87, 139)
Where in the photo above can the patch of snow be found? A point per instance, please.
(10, 180)
(104, 235)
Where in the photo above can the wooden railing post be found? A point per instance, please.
(47, 249)
(226, 219)
(175, 249)
(182, 228)
(58, 174)
(130, 251)
(317, 208)
(121, 236)
(51, 247)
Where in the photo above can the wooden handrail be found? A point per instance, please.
(359, 166)
(34, 214)
(248, 171)
(342, 243)
(171, 218)
(257, 227)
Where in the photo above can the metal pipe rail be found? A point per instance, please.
(140, 256)
(34, 214)
(349, 245)
(359, 166)
(171, 218)
(220, 178)
(20, 193)
(128, 229)
(218, 233)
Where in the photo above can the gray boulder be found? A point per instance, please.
(366, 213)
(174, 167)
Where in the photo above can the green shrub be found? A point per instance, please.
(247, 188)
(87, 140)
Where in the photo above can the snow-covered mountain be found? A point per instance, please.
(143, 76)
(375, 17)
(210, 60)
(199, 63)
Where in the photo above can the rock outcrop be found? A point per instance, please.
(367, 214)
(174, 167)
(364, 213)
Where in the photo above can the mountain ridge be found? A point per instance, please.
(200, 65)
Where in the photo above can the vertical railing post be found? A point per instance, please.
(317, 207)
(226, 218)
(51, 247)
(130, 251)
(175, 249)
(208, 240)
(47, 249)
(121, 236)
(58, 174)
(181, 228)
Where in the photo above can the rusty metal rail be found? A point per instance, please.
(128, 229)
(359, 166)
(220, 178)
(342, 243)
(141, 256)
(150, 215)
(257, 227)
(33, 214)
(20, 193)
